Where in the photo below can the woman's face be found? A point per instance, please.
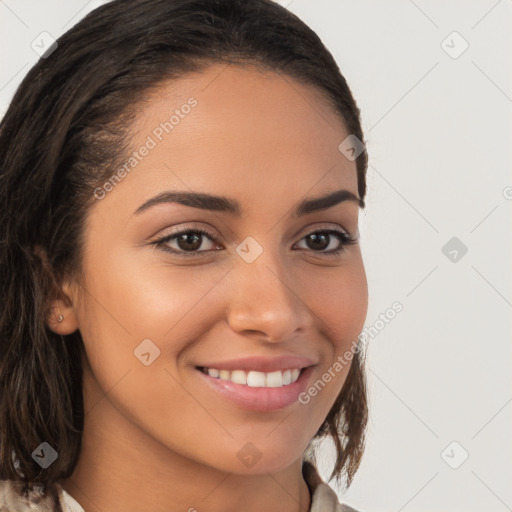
(263, 292)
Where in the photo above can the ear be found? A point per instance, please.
(61, 318)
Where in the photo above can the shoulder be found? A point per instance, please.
(15, 497)
(323, 497)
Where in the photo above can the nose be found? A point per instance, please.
(267, 301)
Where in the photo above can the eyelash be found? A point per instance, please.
(344, 238)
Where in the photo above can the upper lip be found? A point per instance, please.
(261, 364)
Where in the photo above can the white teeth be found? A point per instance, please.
(238, 377)
(255, 379)
(274, 379)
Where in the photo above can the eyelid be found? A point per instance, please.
(323, 227)
(179, 231)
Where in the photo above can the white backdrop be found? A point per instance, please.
(434, 83)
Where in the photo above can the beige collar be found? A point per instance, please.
(324, 499)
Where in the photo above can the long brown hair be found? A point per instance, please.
(63, 135)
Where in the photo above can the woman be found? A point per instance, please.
(182, 284)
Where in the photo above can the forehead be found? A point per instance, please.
(237, 127)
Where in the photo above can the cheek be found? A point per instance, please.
(131, 304)
(340, 302)
(132, 298)
(128, 304)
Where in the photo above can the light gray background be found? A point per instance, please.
(439, 138)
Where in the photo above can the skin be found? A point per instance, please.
(155, 437)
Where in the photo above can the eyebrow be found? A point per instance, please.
(232, 206)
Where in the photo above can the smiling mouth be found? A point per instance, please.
(257, 391)
(255, 379)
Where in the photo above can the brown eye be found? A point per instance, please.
(190, 241)
(187, 242)
(319, 241)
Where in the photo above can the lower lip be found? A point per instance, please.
(259, 399)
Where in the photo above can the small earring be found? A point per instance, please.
(60, 318)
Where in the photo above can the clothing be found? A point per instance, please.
(324, 499)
